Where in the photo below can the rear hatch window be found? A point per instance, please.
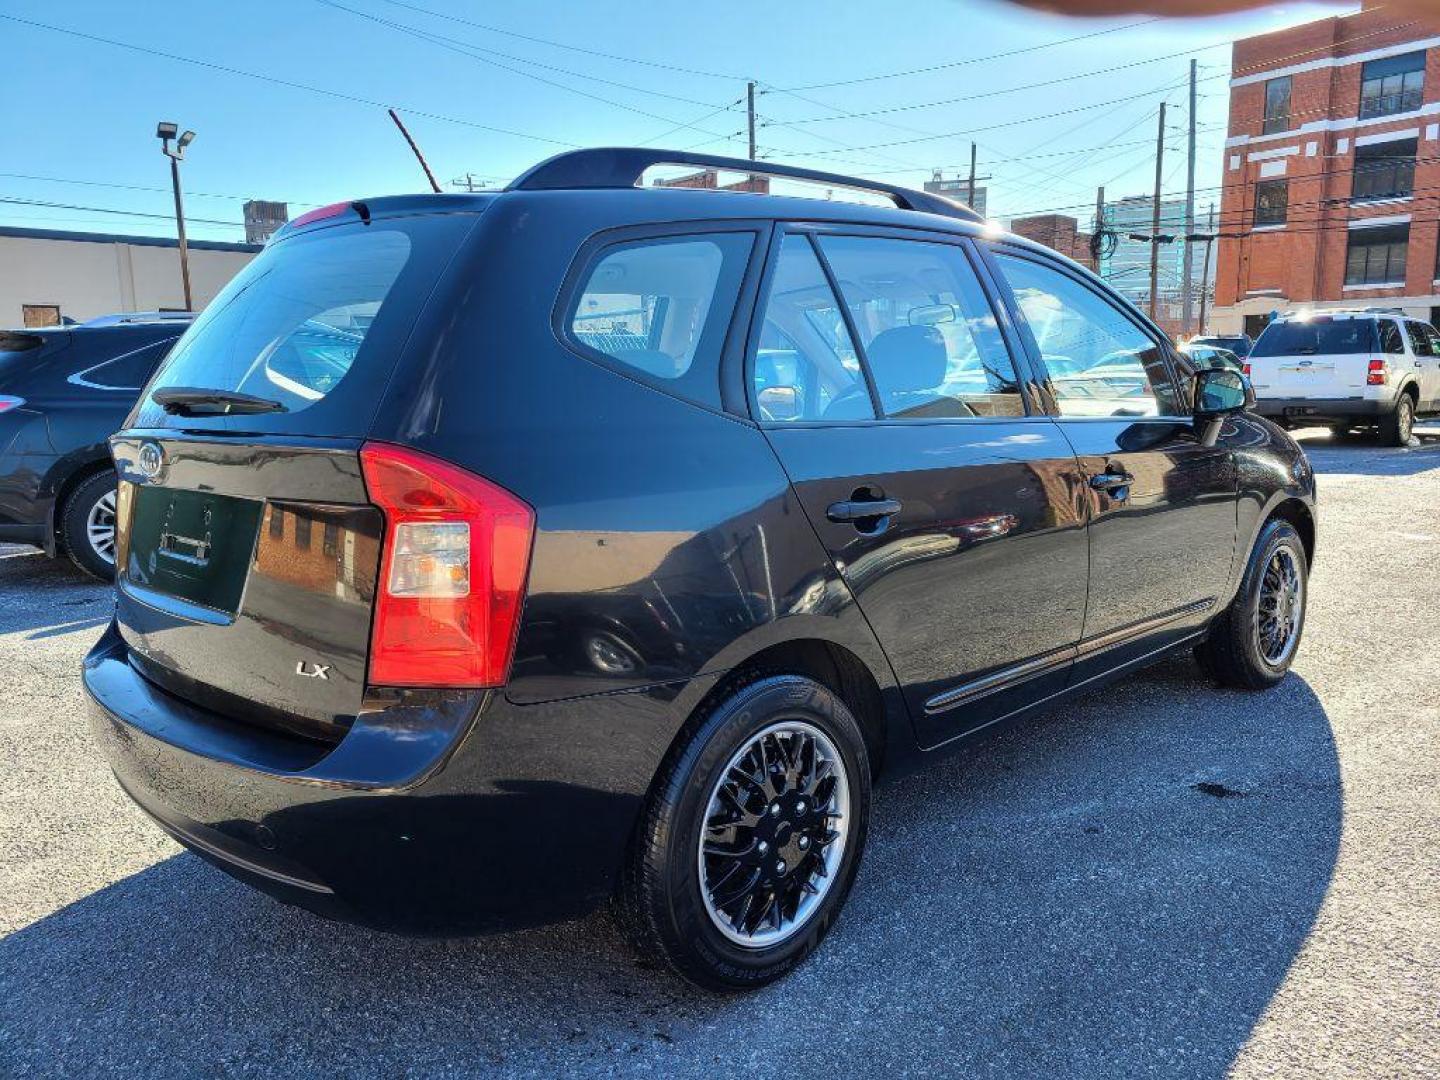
(313, 328)
(1317, 337)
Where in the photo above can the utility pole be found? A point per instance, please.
(1205, 276)
(165, 131)
(467, 182)
(1155, 217)
(970, 188)
(1187, 263)
(1098, 233)
(750, 115)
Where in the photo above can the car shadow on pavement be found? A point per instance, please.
(1117, 888)
(44, 597)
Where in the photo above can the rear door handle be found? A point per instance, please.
(862, 509)
(1109, 481)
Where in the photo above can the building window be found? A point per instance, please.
(37, 315)
(330, 539)
(1277, 106)
(1384, 170)
(1272, 197)
(302, 532)
(277, 523)
(1376, 256)
(1395, 84)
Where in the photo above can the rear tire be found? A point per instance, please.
(1252, 644)
(1396, 427)
(776, 771)
(87, 525)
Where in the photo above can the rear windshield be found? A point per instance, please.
(1317, 336)
(315, 323)
(1237, 345)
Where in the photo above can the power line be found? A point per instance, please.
(141, 187)
(467, 49)
(109, 210)
(309, 88)
(568, 48)
(972, 59)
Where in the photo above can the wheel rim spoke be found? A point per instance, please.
(100, 527)
(774, 834)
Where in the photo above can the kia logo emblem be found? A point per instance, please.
(150, 461)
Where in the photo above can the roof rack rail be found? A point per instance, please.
(622, 167)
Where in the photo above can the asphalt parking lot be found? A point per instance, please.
(1164, 879)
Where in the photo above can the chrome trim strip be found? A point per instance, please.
(999, 680)
(1125, 634)
(1039, 665)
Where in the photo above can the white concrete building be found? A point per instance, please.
(46, 276)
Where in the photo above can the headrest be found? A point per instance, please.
(907, 358)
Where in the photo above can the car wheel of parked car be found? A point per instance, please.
(87, 525)
(752, 835)
(1252, 644)
(1395, 429)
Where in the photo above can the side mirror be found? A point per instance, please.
(779, 402)
(1220, 392)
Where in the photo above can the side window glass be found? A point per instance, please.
(662, 306)
(805, 365)
(926, 328)
(129, 371)
(1100, 362)
(1419, 343)
(1433, 338)
(1390, 340)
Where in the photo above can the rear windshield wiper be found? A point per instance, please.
(197, 401)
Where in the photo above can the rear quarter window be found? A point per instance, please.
(658, 308)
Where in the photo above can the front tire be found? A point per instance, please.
(752, 835)
(1252, 644)
(87, 525)
(1395, 428)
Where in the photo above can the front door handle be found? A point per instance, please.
(1110, 481)
(862, 509)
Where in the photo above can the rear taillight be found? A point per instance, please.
(7, 402)
(1245, 369)
(452, 572)
(1376, 375)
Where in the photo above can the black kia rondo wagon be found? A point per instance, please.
(485, 557)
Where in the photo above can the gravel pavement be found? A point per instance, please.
(1162, 879)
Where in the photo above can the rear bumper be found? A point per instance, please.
(1318, 410)
(439, 812)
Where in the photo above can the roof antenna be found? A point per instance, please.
(415, 150)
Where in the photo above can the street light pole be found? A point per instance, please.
(166, 131)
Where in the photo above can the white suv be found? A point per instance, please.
(1347, 369)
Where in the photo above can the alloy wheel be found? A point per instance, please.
(1280, 607)
(100, 527)
(774, 834)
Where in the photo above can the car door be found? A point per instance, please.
(1425, 344)
(952, 512)
(1161, 505)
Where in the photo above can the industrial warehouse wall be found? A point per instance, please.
(102, 276)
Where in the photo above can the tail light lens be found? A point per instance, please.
(1245, 369)
(1377, 374)
(7, 402)
(452, 571)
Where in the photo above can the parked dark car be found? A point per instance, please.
(1239, 344)
(63, 392)
(488, 556)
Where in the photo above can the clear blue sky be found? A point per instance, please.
(80, 110)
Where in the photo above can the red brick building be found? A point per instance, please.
(1332, 170)
(1059, 232)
